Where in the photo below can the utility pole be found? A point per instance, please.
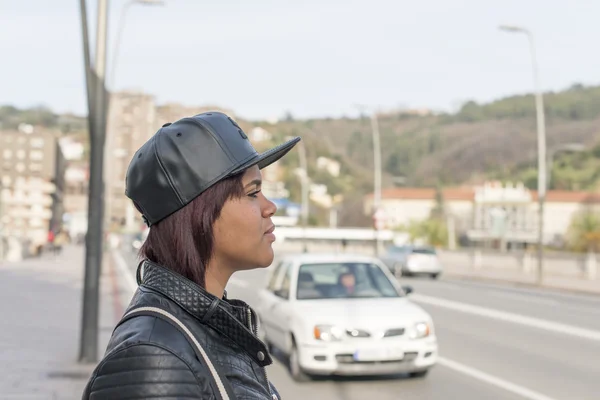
(541, 142)
(1, 222)
(97, 97)
(376, 179)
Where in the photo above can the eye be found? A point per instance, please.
(254, 194)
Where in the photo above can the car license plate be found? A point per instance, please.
(378, 354)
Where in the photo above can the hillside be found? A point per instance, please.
(481, 141)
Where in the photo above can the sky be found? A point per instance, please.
(264, 58)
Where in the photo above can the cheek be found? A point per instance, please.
(241, 223)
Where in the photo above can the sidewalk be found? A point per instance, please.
(514, 277)
(39, 335)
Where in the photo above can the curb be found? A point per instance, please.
(508, 282)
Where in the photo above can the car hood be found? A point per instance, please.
(361, 313)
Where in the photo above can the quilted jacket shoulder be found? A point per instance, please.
(148, 357)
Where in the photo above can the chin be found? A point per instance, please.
(266, 258)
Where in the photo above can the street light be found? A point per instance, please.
(304, 182)
(541, 136)
(112, 87)
(563, 148)
(377, 174)
(111, 80)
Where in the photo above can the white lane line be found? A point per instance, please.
(238, 282)
(509, 317)
(125, 271)
(526, 298)
(492, 380)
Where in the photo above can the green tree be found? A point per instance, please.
(433, 231)
(584, 232)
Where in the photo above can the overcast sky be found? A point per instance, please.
(262, 58)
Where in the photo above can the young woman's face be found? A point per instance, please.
(244, 231)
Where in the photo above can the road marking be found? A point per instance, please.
(492, 380)
(530, 291)
(509, 317)
(125, 271)
(238, 282)
(528, 299)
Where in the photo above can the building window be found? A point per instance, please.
(21, 154)
(20, 167)
(7, 154)
(35, 167)
(36, 155)
(36, 143)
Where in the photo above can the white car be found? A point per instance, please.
(412, 260)
(344, 315)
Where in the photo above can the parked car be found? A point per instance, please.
(344, 315)
(412, 260)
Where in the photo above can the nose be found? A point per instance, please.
(269, 208)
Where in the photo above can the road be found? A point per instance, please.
(496, 342)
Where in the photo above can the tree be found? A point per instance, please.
(438, 211)
(432, 230)
(584, 232)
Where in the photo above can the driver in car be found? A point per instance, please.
(347, 283)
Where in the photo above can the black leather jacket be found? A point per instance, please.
(148, 357)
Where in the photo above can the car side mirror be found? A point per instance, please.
(407, 289)
(281, 293)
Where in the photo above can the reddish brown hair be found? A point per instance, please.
(183, 242)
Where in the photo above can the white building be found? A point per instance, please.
(488, 212)
(259, 134)
(331, 166)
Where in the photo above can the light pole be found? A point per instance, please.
(563, 148)
(541, 138)
(304, 183)
(376, 175)
(108, 165)
(97, 98)
(1, 221)
(116, 46)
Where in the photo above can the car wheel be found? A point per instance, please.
(419, 374)
(435, 276)
(295, 369)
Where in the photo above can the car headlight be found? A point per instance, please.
(420, 330)
(328, 333)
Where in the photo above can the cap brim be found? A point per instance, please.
(268, 157)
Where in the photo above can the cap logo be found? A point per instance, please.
(240, 131)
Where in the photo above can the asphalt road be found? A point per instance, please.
(496, 342)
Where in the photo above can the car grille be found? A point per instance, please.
(359, 333)
(349, 359)
(394, 332)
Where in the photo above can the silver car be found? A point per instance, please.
(412, 260)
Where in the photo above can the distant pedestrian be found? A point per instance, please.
(197, 183)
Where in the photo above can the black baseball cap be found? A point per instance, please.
(186, 157)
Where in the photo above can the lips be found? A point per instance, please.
(270, 230)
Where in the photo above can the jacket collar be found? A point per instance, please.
(231, 318)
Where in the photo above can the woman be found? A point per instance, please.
(197, 183)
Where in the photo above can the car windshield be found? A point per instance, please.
(396, 249)
(343, 280)
(424, 251)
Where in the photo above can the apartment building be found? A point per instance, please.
(32, 185)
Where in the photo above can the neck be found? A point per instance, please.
(216, 278)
